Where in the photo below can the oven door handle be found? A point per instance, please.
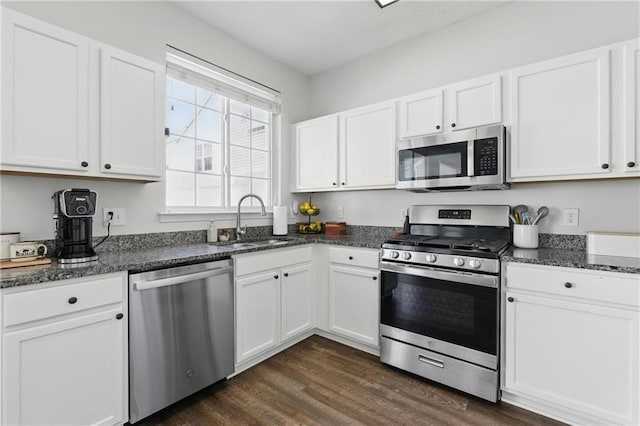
(491, 281)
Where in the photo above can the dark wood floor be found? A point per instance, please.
(321, 382)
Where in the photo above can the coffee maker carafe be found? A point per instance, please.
(73, 213)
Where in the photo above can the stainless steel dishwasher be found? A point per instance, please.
(181, 333)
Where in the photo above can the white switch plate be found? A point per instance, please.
(119, 218)
(340, 212)
(571, 217)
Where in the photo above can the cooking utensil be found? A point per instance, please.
(513, 219)
(517, 212)
(542, 212)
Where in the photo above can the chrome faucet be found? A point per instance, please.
(239, 230)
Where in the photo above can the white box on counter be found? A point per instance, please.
(613, 244)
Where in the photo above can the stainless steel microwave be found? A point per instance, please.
(464, 160)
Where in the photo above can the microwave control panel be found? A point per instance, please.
(485, 153)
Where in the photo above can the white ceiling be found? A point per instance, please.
(315, 36)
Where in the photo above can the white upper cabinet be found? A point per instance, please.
(471, 103)
(560, 118)
(420, 114)
(631, 99)
(475, 103)
(45, 95)
(351, 150)
(73, 106)
(367, 147)
(131, 131)
(316, 143)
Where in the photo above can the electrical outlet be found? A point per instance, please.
(340, 212)
(118, 216)
(571, 217)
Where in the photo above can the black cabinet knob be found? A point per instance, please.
(343, 183)
(73, 300)
(119, 316)
(286, 274)
(375, 278)
(568, 285)
(275, 277)
(453, 124)
(167, 131)
(334, 184)
(107, 166)
(350, 257)
(605, 166)
(438, 127)
(631, 164)
(84, 164)
(510, 299)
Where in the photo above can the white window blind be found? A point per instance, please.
(207, 76)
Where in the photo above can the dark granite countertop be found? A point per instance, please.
(572, 259)
(161, 257)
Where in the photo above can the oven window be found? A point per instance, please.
(461, 314)
(433, 162)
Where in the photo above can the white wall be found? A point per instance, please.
(512, 35)
(143, 28)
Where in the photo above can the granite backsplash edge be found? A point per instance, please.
(132, 242)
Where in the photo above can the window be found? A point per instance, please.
(219, 147)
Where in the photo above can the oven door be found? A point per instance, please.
(450, 312)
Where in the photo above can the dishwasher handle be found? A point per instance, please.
(163, 282)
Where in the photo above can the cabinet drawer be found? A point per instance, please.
(32, 305)
(356, 257)
(575, 283)
(271, 259)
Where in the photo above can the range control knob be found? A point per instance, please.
(431, 258)
(475, 264)
(395, 254)
(458, 261)
(406, 255)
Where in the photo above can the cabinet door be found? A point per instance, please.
(631, 101)
(257, 314)
(45, 97)
(354, 303)
(316, 154)
(367, 147)
(475, 103)
(579, 356)
(420, 114)
(70, 372)
(297, 300)
(131, 112)
(561, 118)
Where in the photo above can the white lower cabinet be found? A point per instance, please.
(568, 354)
(64, 353)
(257, 314)
(354, 294)
(296, 290)
(274, 300)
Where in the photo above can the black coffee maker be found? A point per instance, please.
(73, 213)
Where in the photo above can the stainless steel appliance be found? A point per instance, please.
(439, 313)
(181, 333)
(463, 160)
(73, 211)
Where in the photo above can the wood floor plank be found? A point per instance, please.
(322, 382)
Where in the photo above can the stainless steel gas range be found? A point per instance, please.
(440, 298)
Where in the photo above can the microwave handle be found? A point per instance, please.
(470, 162)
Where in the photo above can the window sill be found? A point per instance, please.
(248, 214)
